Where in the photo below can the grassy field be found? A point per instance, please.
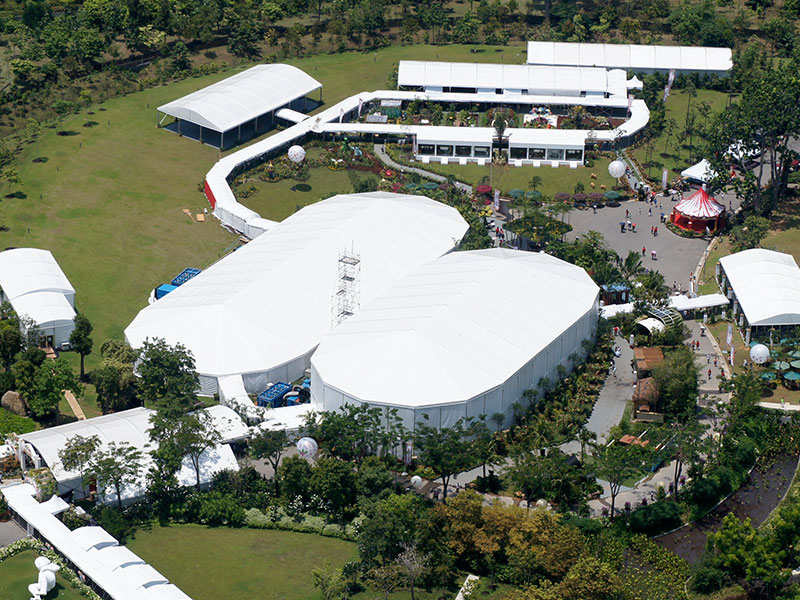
(256, 563)
(18, 572)
(677, 150)
(508, 178)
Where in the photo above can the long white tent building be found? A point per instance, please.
(466, 334)
(632, 57)
(260, 312)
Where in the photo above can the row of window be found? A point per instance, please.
(545, 154)
(448, 150)
(485, 151)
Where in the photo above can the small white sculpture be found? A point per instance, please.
(307, 447)
(47, 578)
(296, 154)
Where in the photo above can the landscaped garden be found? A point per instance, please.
(18, 572)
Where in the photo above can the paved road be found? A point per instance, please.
(387, 160)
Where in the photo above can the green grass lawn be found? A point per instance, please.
(678, 154)
(239, 564)
(234, 564)
(507, 178)
(18, 572)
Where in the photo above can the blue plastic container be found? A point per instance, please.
(164, 289)
(185, 276)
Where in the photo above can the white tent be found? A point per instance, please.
(463, 335)
(263, 309)
(765, 284)
(242, 97)
(519, 79)
(27, 270)
(51, 311)
(700, 172)
(634, 57)
(131, 427)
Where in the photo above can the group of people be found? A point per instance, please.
(653, 253)
(654, 230)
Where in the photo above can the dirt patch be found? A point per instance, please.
(755, 499)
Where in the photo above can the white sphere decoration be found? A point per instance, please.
(759, 354)
(307, 447)
(617, 169)
(541, 503)
(296, 154)
(416, 481)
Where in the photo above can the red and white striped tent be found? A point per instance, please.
(698, 212)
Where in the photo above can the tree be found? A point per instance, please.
(196, 433)
(750, 233)
(535, 182)
(351, 433)
(676, 380)
(761, 123)
(616, 463)
(387, 525)
(76, 455)
(528, 474)
(631, 266)
(330, 582)
(650, 291)
(334, 481)
(447, 450)
(167, 376)
(294, 474)
(80, 339)
(483, 446)
(465, 30)
(243, 40)
(586, 437)
(269, 445)
(690, 445)
(412, 565)
(50, 380)
(117, 467)
(115, 381)
(590, 579)
(500, 122)
(747, 557)
(386, 578)
(10, 335)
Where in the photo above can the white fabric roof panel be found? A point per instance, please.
(435, 339)
(269, 303)
(630, 56)
(555, 138)
(547, 80)
(766, 284)
(45, 308)
(131, 426)
(242, 97)
(26, 270)
(117, 557)
(91, 537)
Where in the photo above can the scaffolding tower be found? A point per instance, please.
(346, 297)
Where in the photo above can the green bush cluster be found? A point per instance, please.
(277, 518)
(655, 518)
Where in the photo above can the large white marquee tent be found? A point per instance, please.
(36, 287)
(261, 311)
(509, 79)
(633, 57)
(244, 102)
(765, 284)
(464, 335)
(131, 427)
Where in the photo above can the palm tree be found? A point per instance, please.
(535, 182)
(631, 267)
(586, 438)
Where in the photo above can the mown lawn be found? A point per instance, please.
(240, 564)
(678, 154)
(18, 572)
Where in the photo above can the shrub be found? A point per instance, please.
(708, 579)
(11, 423)
(655, 518)
(114, 522)
(220, 509)
(704, 492)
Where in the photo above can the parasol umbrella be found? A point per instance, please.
(484, 189)
(795, 353)
(430, 186)
(795, 364)
(753, 343)
(612, 195)
(516, 193)
(579, 197)
(792, 376)
(596, 196)
(534, 195)
(769, 376)
(781, 365)
(444, 186)
(411, 187)
(561, 196)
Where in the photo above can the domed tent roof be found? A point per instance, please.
(700, 205)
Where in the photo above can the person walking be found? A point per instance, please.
(644, 251)
(709, 374)
(651, 229)
(650, 212)
(655, 231)
(653, 255)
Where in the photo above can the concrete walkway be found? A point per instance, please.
(10, 532)
(73, 404)
(387, 160)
